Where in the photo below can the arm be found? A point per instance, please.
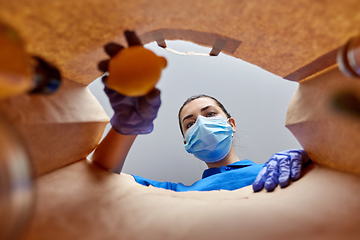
(112, 151)
(133, 115)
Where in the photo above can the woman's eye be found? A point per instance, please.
(189, 125)
(210, 114)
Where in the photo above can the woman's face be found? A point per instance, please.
(203, 106)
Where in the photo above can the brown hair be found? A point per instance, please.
(192, 98)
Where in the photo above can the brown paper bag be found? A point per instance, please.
(60, 128)
(331, 137)
(82, 201)
(278, 36)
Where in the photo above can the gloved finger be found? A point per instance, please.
(284, 170)
(153, 97)
(103, 65)
(153, 93)
(104, 79)
(112, 49)
(112, 94)
(149, 106)
(271, 180)
(258, 184)
(132, 38)
(305, 157)
(296, 165)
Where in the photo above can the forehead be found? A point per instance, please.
(196, 105)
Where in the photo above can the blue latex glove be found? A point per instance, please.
(133, 115)
(280, 168)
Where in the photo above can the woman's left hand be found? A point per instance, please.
(280, 168)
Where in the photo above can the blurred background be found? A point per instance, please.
(256, 99)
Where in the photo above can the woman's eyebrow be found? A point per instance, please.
(201, 110)
(205, 108)
(188, 116)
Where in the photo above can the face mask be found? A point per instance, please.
(209, 139)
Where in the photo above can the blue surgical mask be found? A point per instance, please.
(209, 139)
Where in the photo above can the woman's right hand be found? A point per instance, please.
(133, 115)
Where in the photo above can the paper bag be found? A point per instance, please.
(60, 128)
(278, 36)
(331, 137)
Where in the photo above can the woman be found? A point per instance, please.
(207, 128)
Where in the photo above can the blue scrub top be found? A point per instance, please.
(233, 176)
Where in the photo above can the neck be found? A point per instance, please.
(229, 159)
